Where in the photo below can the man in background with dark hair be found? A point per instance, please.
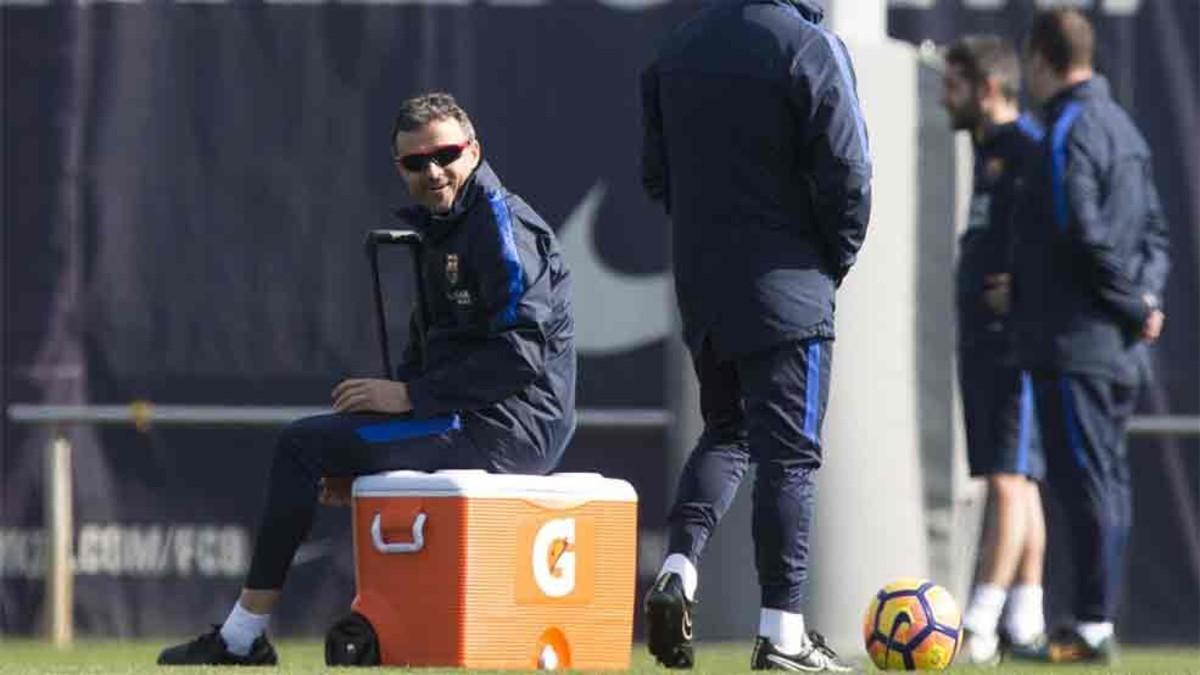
(980, 88)
(756, 147)
(496, 391)
(1090, 267)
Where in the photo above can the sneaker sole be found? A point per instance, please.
(664, 621)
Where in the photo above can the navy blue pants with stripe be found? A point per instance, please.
(765, 408)
(340, 445)
(1083, 420)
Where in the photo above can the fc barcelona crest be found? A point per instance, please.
(994, 168)
(452, 268)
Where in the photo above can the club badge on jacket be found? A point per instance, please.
(459, 296)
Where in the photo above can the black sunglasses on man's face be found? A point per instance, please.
(443, 156)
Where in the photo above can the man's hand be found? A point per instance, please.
(997, 294)
(1152, 329)
(335, 491)
(1153, 325)
(371, 395)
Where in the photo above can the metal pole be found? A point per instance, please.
(143, 414)
(1165, 425)
(60, 583)
(858, 22)
(380, 314)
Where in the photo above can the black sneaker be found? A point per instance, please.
(1065, 645)
(669, 622)
(210, 650)
(815, 657)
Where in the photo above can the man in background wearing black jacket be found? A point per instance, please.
(981, 85)
(1090, 267)
(757, 149)
(497, 390)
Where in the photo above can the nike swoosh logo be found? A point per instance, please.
(788, 664)
(618, 312)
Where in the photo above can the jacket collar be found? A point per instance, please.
(810, 10)
(999, 134)
(1095, 87)
(992, 135)
(437, 225)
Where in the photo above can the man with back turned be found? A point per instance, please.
(757, 149)
(1089, 271)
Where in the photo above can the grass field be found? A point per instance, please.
(26, 656)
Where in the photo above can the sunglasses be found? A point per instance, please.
(442, 156)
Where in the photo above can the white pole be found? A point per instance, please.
(60, 587)
(871, 525)
(862, 22)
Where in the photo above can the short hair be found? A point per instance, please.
(420, 110)
(987, 56)
(1064, 38)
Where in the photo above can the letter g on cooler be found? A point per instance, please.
(554, 557)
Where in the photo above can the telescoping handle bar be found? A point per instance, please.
(411, 240)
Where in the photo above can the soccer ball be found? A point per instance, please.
(912, 624)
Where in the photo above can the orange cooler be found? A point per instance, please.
(479, 570)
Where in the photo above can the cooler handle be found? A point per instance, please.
(418, 536)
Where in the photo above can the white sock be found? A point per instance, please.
(1023, 617)
(1094, 632)
(679, 564)
(983, 614)
(785, 630)
(242, 628)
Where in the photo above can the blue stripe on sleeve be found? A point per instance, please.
(512, 261)
(1030, 127)
(399, 430)
(812, 390)
(1058, 166)
(848, 82)
(844, 69)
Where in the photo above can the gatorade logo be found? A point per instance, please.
(554, 557)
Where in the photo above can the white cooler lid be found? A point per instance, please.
(479, 484)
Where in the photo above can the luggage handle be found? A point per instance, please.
(418, 536)
(411, 240)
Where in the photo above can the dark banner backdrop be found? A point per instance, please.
(185, 188)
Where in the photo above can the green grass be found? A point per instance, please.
(30, 657)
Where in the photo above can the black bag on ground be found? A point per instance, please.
(352, 642)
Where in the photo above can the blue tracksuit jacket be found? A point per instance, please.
(500, 337)
(1095, 247)
(755, 145)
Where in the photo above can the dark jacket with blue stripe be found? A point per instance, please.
(1002, 157)
(1096, 243)
(500, 338)
(755, 144)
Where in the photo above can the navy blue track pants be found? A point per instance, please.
(349, 444)
(766, 408)
(1082, 420)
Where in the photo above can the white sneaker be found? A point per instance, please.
(981, 649)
